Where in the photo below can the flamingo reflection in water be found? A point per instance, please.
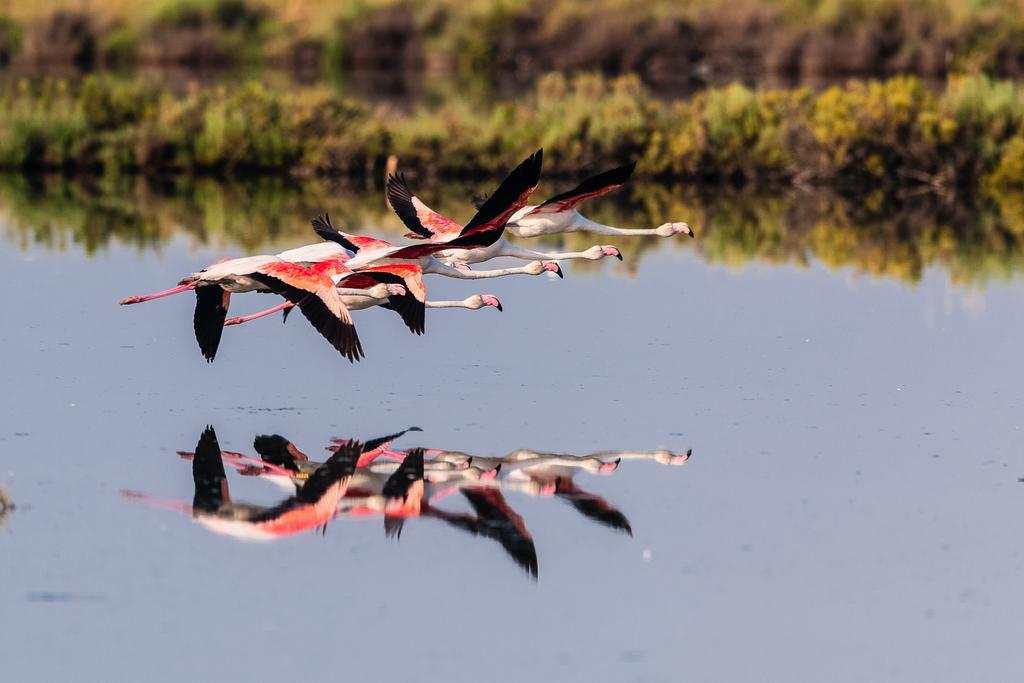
(369, 479)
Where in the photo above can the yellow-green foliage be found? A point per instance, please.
(872, 236)
(888, 133)
(979, 36)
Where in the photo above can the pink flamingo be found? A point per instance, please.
(311, 507)
(483, 230)
(559, 215)
(311, 289)
(425, 223)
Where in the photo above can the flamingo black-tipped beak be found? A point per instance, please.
(609, 250)
(490, 300)
(552, 266)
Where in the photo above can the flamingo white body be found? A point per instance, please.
(232, 275)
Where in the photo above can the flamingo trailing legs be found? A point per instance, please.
(472, 303)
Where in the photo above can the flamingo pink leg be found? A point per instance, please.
(246, 318)
(159, 295)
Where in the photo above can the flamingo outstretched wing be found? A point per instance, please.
(411, 306)
(592, 506)
(404, 493)
(493, 518)
(486, 226)
(316, 502)
(422, 221)
(314, 294)
(211, 484)
(595, 186)
(374, 446)
(208, 320)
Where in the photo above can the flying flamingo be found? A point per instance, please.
(483, 230)
(282, 454)
(311, 289)
(425, 223)
(558, 214)
(322, 251)
(311, 507)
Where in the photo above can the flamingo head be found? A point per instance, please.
(610, 250)
(481, 300)
(670, 458)
(552, 267)
(669, 229)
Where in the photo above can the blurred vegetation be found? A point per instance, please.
(875, 236)
(894, 134)
(659, 39)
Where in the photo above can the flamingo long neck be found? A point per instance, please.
(438, 268)
(509, 249)
(465, 303)
(584, 224)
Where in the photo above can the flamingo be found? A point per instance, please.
(474, 303)
(558, 214)
(483, 230)
(311, 507)
(535, 473)
(321, 251)
(311, 289)
(424, 222)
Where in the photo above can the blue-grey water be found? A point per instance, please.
(849, 512)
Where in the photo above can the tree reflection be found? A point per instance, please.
(974, 239)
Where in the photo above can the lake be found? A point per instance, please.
(847, 375)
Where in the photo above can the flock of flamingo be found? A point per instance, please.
(369, 479)
(347, 272)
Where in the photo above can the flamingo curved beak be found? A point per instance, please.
(680, 459)
(609, 250)
(609, 467)
(490, 300)
(553, 267)
(685, 228)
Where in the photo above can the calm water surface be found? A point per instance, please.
(849, 512)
